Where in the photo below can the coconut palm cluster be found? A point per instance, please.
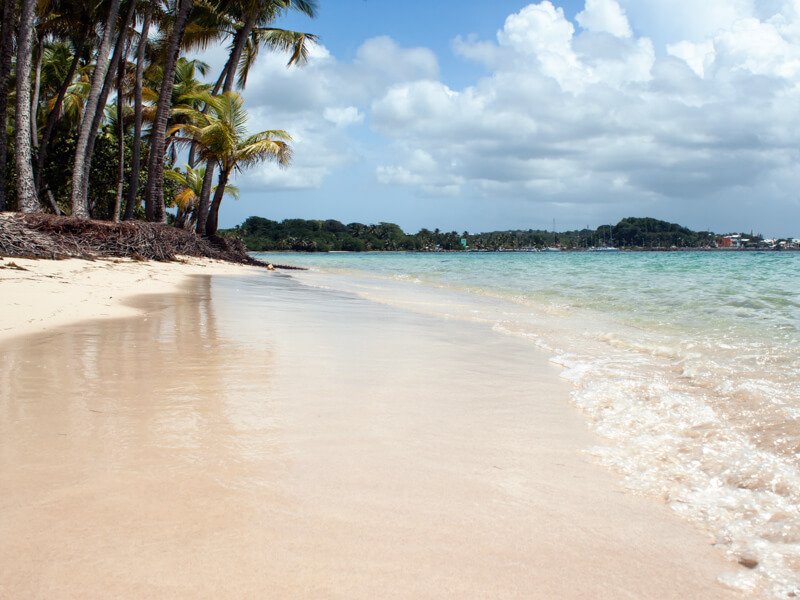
(107, 116)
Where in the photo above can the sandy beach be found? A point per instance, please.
(44, 294)
(206, 431)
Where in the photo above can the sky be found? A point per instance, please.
(494, 115)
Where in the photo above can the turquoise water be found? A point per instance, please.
(756, 291)
(687, 365)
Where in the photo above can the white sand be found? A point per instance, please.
(50, 293)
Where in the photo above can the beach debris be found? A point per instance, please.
(14, 266)
(270, 267)
(52, 237)
(748, 561)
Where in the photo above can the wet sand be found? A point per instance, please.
(252, 437)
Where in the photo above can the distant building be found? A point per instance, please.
(732, 241)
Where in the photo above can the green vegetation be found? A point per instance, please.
(261, 234)
(323, 236)
(98, 98)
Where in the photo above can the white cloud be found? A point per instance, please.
(758, 48)
(605, 16)
(315, 103)
(595, 117)
(699, 56)
(543, 32)
(393, 174)
(342, 117)
(675, 104)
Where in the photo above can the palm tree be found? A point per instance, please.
(221, 135)
(26, 189)
(252, 13)
(185, 91)
(72, 22)
(138, 107)
(154, 191)
(188, 195)
(74, 100)
(249, 21)
(119, 58)
(117, 117)
(80, 205)
(56, 57)
(6, 49)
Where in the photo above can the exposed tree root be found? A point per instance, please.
(49, 236)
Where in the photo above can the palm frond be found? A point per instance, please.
(261, 151)
(308, 7)
(231, 190)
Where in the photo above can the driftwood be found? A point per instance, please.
(49, 236)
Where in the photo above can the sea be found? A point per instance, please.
(686, 365)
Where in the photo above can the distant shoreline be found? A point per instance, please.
(535, 251)
(631, 233)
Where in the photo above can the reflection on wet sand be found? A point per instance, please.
(257, 438)
(122, 440)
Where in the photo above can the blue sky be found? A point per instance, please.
(505, 114)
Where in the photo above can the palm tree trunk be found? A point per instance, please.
(201, 213)
(80, 205)
(136, 155)
(54, 115)
(227, 78)
(120, 142)
(205, 197)
(120, 54)
(6, 48)
(236, 52)
(37, 84)
(213, 213)
(26, 190)
(154, 191)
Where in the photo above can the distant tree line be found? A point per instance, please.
(301, 235)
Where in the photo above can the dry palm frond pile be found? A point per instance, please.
(48, 236)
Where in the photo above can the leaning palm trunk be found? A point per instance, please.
(119, 56)
(154, 191)
(26, 190)
(213, 213)
(120, 142)
(227, 78)
(236, 52)
(37, 84)
(208, 178)
(54, 115)
(37, 78)
(6, 48)
(136, 150)
(205, 197)
(80, 205)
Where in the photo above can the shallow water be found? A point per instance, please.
(252, 434)
(688, 364)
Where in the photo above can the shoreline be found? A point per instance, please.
(433, 489)
(45, 294)
(599, 250)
